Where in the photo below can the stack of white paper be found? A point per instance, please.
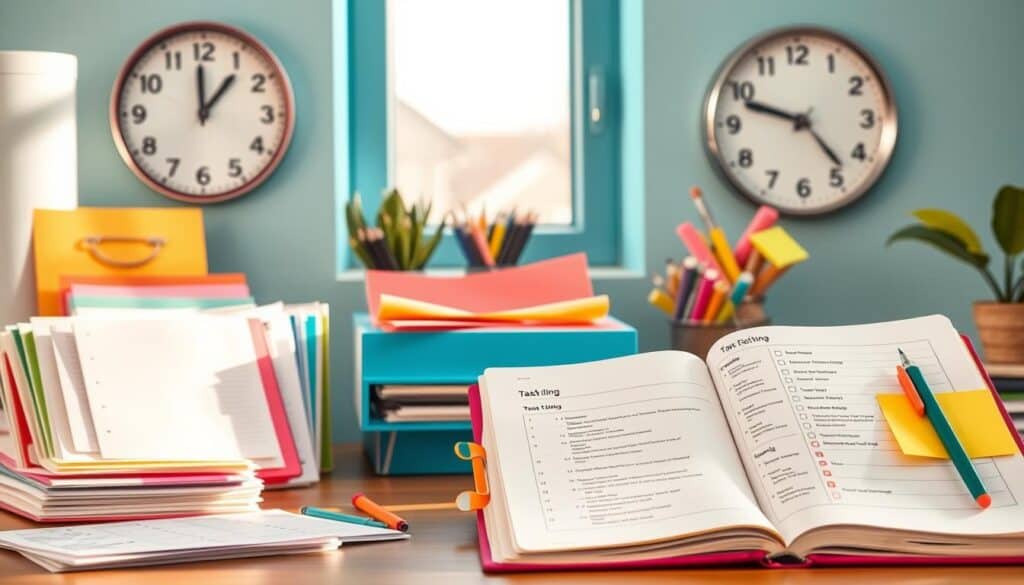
(180, 540)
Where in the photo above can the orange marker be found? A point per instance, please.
(377, 512)
(910, 390)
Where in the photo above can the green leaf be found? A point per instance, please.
(950, 223)
(427, 251)
(941, 240)
(1008, 219)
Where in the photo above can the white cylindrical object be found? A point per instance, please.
(38, 163)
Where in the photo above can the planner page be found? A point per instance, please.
(801, 403)
(612, 453)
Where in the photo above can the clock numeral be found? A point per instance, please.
(149, 145)
(868, 118)
(174, 162)
(236, 59)
(268, 114)
(835, 177)
(203, 176)
(151, 83)
(803, 188)
(797, 55)
(773, 176)
(257, 145)
(202, 51)
(744, 91)
(856, 83)
(258, 81)
(138, 113)
(831, 63)
(734, 124)
(234, 167)
(765, 65)
(858, 152)
(746, 157)
(172, 60)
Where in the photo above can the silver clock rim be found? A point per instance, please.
(887, 141)
(173, 30)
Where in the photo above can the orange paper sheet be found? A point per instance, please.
(573, 312)
(530, 286)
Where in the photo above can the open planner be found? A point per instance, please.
(773, 451)
(152, 413)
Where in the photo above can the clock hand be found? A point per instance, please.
(220, 92)
(766, 109)
(201, 88)
(828, 151)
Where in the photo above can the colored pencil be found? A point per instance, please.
(687, 282)
(703, 294)
(659, 299)
(957, 453)
(718, 296)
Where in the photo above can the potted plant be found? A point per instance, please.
(1000, 322)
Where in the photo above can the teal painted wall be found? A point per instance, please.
(954, 67)
(958, 80)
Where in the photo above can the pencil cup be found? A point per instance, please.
(697, 338)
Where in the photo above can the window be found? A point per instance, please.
(490, 106)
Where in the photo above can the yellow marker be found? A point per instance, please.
(719, 242)
(661, 300)
(718, 295)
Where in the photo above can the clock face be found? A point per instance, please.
(802, 120)
(202, 112)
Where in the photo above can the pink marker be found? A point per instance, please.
(764, 218)
(707, 286)
(695, 243)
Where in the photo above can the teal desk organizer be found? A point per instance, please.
(456, 357)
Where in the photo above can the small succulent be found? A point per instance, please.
(398, 240)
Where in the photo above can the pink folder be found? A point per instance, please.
(218, 291)
(735, 558)
(550, 281)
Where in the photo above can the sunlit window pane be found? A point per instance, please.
(481, 105)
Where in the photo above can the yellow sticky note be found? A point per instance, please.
(973, 414)
(778, 247)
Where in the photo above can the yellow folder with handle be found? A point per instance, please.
(111, 241)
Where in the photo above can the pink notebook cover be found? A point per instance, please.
(759, 558)
(292, 466)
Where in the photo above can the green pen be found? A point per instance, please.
(940, 423)
(339, 517)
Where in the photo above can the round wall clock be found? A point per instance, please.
(202, 112)
(801, 119)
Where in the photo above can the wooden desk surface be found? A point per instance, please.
(441, 552)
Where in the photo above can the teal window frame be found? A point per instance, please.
(597, 158)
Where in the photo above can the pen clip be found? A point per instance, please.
(480, 496)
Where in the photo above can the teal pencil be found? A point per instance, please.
(956, 451)
(339, 517)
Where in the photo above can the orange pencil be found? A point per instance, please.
(767, 277)
(480, 242)
(377, 512)
(718, 296)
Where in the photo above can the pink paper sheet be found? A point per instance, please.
(218, 291)
(549, 281)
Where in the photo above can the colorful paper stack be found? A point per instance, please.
(1009, 382)
(127, 411)
(708, 285)
(551, 292)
